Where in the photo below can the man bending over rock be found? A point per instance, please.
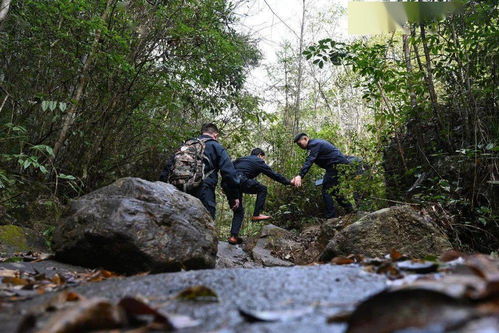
(327, 156)
(182, 171)
(248, 168)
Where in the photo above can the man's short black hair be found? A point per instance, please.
(299, 136)
(209, 128)
(257, 152)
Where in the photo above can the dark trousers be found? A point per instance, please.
(329, 189)
(206, 194)
(248, 186)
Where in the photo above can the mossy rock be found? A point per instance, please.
(19, 239)
(398, 227)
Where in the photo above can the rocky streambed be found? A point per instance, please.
(353, 274)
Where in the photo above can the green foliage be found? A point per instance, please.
(433, 96)
(131, 79)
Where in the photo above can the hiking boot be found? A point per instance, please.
(234, 240)
(260, 217)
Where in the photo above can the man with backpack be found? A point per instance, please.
(248, 168)
(327, 156)
(194, 169)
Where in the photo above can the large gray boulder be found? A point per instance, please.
(134, 226)
(398, 227)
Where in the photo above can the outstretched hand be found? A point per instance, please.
(296, 181)
(235, 205)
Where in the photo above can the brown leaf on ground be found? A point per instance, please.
(389, 270)
(134, 308)
(26, 257)
(450, 255)
(342, 260)
(340, 317)
(395, 255)
(86, 315)
(15, 281)
(455, 285)
(57, 279)
(356, 257)
(198, 293)
(408, 308)
(487, 269)
(59, 300)
(8, 273)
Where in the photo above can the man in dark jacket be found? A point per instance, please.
(216, 160)
(248, 168)
(327, 156)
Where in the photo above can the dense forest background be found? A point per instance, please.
(94, 90)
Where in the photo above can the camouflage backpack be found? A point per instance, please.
(187, 171)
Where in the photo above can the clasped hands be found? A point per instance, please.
(296, 181)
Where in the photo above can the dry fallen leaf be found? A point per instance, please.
(450, 255)
(134, 308)
(8, 273)
(15, 281)
(342, 260)
(408, 308)
(395, 255)
(389, 270)
(86, 315)
(198, 293)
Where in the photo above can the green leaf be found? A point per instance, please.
(44, 148)
(45, 105)
(62, 106)
(67, 177)
(52, 105)
(43, 169)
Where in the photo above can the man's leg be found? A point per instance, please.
(251, 186)
(206, 194)
(328, 182)
(237, 218)
(334, 183)
(342, 200)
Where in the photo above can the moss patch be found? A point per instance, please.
(13, 237)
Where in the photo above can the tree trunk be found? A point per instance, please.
(4, 9)
(87, 61)
(299, 82)
(430, 86)
(408, 66)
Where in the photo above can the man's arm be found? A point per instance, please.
(166, 171)
(312, 156)
(228, 172)
(267, 171)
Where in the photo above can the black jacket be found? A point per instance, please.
(324, 154)
(252, 166)
(219, 160)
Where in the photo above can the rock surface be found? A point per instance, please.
(397, 227)
(320, 291)
(16, 239)
(133, 226)
(233, 256)
(276, 247)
